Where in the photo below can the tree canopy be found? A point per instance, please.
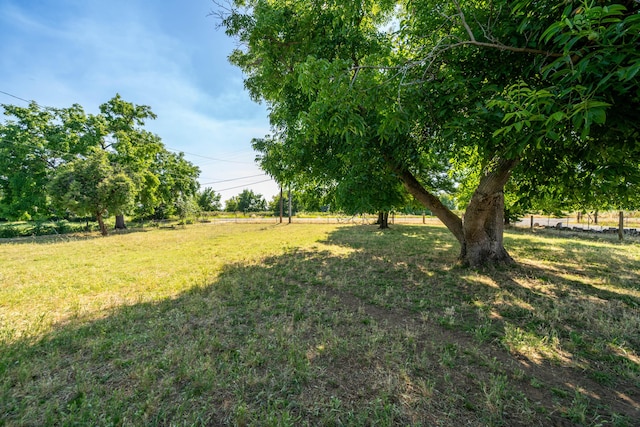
(246, 201)
(208, 200)
(68, 147)
(367, 94)
(93, 186)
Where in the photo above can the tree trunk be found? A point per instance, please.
(120, 225)
(481, 233)
(507, 217)
(383, 220)
(103, 227)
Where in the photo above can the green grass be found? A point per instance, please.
(316, 325)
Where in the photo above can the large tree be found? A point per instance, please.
(118, 129)
(31, 145)
(532, 88)
(36, 141)
(23, 168)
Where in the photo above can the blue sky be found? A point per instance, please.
(166, 54)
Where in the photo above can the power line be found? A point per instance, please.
(232, 179)
(174, 175)
(51, 150)
(204, 162)
(165, 146)
(207, 157)
(14, 96)
(245, 185)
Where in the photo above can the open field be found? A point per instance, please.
(316, 324)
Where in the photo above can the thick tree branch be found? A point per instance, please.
(452, 221)
(496, 176)
(444, 44)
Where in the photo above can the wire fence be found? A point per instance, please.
(324, 219)
(587, 222)
(607, 223)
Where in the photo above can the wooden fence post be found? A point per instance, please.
(621, 225)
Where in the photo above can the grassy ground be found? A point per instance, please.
(316, 325)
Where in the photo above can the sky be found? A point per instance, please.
(166, 54)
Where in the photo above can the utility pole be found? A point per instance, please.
(289, 203)
(281, 205)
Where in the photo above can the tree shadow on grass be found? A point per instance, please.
(71, 237)
(367, 329)
(582, 312)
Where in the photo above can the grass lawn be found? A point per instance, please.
(308, 324)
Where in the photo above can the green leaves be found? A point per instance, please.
(586, 21)
(525, 107)
(247, 201)
(367, 86)
(92, 186)
(37, 142)
(628, 73)
(208, 200)
(327, 126)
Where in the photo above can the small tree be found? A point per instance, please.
(93, 186)
(208, 200)
(247, 201)
(186, 207)
(178, 182)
